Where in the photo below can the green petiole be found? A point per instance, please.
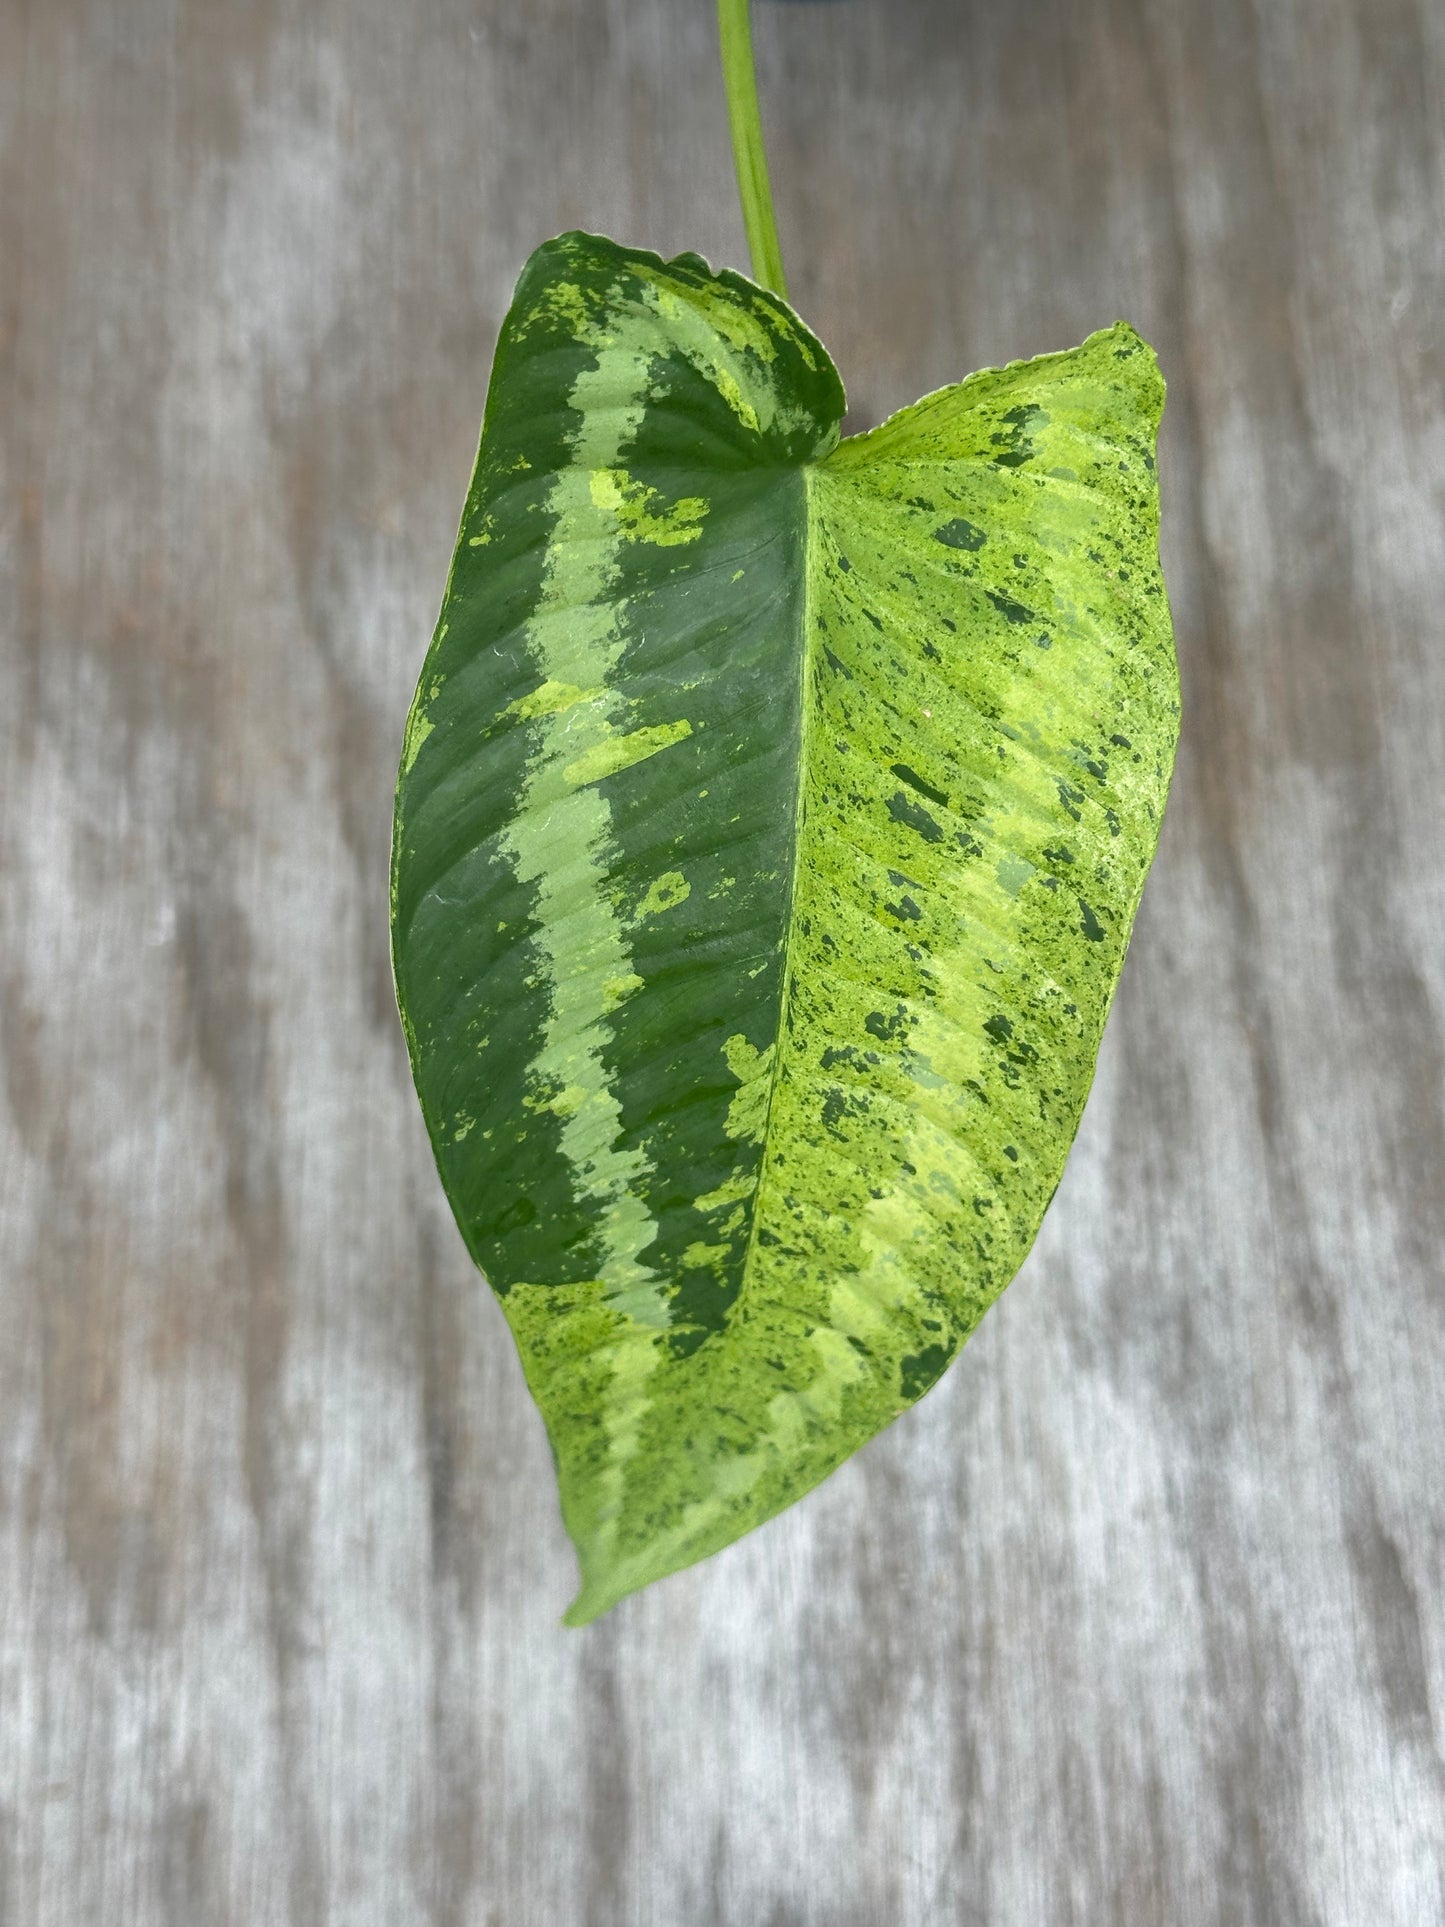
(741, 81)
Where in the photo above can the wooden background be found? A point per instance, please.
(1138, 1618)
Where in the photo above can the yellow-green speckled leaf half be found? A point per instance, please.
(772, 816)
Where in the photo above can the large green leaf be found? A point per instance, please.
(772, 816)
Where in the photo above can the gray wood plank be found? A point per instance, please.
(1137, 1617)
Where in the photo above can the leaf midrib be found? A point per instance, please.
(805, 669)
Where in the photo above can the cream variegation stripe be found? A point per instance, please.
(560, 836)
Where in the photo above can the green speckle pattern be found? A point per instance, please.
(772, 817)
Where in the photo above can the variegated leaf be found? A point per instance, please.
(772, 816)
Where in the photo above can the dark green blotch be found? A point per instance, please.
(1014, 440)
(916, 782)
(1070, 798)
(920, 1370)
(1093, 929)
(1012, 611)
(840, 1054)
(959, 534)
(684, 1340)
(904, 810)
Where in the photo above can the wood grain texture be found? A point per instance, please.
(1138, 1617)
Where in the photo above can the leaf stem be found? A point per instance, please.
(741, 81)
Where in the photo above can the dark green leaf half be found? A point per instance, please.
(771, 820)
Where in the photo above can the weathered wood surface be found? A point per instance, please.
(1138, 1618)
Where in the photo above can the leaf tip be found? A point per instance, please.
(598, 1593)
